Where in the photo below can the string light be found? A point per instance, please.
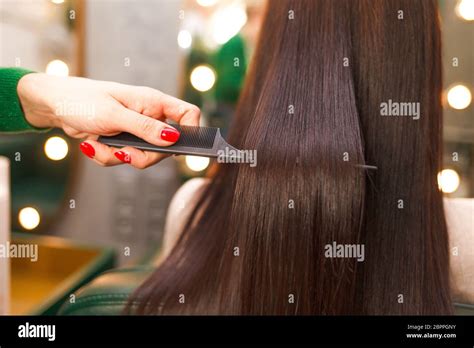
(459, 97)
(29, 218)
(448, 180)
(56, 148)
(465, 9)
(203, 78)
(197, 163)
(57, 68)
(185, 39)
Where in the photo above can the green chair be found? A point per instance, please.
(108, 293)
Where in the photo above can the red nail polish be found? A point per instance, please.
(170, 134)
(123, 156)
(87, 149)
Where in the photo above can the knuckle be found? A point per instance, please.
(140, 165)
(194, 109)
(100, 163)
(148, 125)
(151, 158)
(108, 162)
(148, 91)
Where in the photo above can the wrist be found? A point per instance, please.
(31, 92)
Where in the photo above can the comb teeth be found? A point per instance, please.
(202, 137)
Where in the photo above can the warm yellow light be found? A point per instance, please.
(206, 3)
(57, 68)
(465, 9)
(227, 22)
(185, 39)
(448, 180)
(29, 218)
(56, 148)
(57, 1)
(459, 97)
(197, 163)
(203, 78)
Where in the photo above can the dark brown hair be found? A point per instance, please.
(311, 109)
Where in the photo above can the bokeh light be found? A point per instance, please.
(56, 148)
(227, 22)
(465, 9)
(203, 78)
(448, 180)
(459, 97)
(197, 163)
(29, 218)
(57, 68)
(185, 39)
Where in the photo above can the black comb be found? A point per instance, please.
(196, 141)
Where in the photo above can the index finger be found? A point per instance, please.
(179, 111)
(153, 103)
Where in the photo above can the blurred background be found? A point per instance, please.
(197, 50)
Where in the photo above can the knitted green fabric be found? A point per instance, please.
(12, 118)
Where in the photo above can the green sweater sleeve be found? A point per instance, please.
(12, 118)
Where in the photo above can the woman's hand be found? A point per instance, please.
(86, 108)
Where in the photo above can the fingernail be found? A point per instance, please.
(123, 156)
(87, 149)
(170, 134)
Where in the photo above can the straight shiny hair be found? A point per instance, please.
(256, 241)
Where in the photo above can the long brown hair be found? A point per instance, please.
(311, 107)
